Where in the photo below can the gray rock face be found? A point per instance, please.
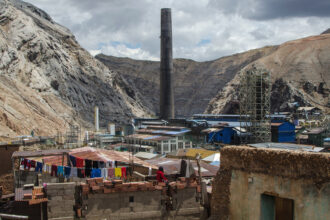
(195, 83)
(43, 59)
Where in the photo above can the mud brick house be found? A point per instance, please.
(266, 183)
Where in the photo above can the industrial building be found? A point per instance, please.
(163, 138)
(283, 132)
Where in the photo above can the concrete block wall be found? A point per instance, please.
(123, 205)
(61, 200)
(185, 205)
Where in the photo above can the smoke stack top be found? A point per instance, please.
(166, 66)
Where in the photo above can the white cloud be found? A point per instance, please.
(227, 26)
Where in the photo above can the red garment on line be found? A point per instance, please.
(160, 176)
(123, 172)
(79, 162)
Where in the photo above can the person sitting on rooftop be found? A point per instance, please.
(160, 175)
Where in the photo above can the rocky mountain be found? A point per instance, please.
(48, 81)
(195, 83)
(300, 73)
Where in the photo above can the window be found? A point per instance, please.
(180, 137)
(273, 207)
(165, 147)
(180, 145)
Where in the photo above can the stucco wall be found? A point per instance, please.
(301, 176)
(309, 201)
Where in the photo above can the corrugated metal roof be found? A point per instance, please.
(287, 146)
(172, 166)
(191, 153)
(146, 155)
(39, 153)
(97, 154)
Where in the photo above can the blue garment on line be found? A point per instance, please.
(67, 172)
(39, 167)
(96, 172)
(73, 160)
(60, 171)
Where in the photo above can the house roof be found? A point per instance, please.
(191, 153)
(96, 154)
(287, 146)
(212, 158)
(315, 131)
(173, 165)
(146, 155)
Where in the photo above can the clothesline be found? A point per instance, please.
(79, 168)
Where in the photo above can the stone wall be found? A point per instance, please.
(61, 200)
(246, 173)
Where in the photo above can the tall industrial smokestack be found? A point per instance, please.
(96, 118)
(166, 66)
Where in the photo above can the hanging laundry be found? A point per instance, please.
(95, 164)
(27, 164)
(74, 172)
(101, 164)
(67, 171)
(81, 172)
(96, 172)
(104, 172)
(129, 171)
(79, 162)
(44, 168)
(54, 170)
(88, 172)
(123, 172)
(33, 163)
(116, 163)
(118, 172)
(73, 160)
(111, 172)
(38, 167)
(49, 168)
(60, 171)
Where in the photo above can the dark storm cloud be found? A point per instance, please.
(270, 9)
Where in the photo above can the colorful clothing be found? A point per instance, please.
(118, 172)
(73, 161)
(38, 167)
(54, 170)
(104, 172)
(81, 172)
(96, 172)
(111, 172)
(74, 172)
(79, 162)
(60, 171)
(67, 171)
(123, 172)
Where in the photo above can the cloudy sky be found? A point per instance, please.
(202, 29)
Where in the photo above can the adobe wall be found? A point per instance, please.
(301, 176)
(5, 159)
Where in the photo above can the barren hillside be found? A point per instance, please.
(48, 80)
(300, 73)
